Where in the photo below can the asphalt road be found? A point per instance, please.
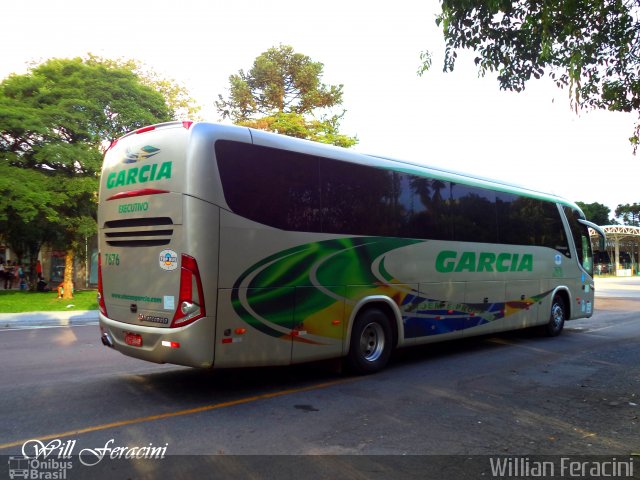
(511, 394)
(618, 287)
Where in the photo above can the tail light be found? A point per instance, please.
(101, 305)
(191, 300)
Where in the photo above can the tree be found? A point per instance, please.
(592, 47)
(283, 93)
(54, 124)
(183, 106)
(596, 212)
(629, 213)
(26, 204)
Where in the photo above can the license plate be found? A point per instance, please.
(133, 339)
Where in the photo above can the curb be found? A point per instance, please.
(48, 319)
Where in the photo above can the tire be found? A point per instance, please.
(557, 317)
(371, 342)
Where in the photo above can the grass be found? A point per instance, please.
(16, 301)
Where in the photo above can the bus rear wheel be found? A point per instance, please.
(371, 342)
(556, 318)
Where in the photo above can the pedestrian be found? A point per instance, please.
(22, 277)
(2, 271)
(8, 276)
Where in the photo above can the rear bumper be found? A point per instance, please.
(196, 342)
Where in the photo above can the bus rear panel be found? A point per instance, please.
(152, 292)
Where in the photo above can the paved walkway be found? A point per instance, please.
(48, 319)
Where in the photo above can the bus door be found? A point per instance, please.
(579, 228)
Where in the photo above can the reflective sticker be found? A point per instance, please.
(169, 302)
(168, 260)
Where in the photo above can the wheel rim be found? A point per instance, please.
(557, 315)
(372, 342)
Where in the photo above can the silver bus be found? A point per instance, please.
(223, 246)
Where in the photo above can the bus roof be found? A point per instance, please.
(315, 148)
(274, 140)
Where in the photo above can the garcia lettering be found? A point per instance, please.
(449, 261)
(144, 174)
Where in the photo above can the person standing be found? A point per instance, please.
(20, 278)
(9, 272)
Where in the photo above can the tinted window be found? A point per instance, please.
(473, 214)
(512, 228)
(529, 221)
(421, 208)
(273, 187)
(356, 200)
(298, 192)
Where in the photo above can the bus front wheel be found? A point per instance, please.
(556, 318)
(371, 342)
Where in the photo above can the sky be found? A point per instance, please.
(458, 120)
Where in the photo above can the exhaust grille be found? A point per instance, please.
(138, 232)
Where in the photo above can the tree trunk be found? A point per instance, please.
(34, 251)
(68, 275)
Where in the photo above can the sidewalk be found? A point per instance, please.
(48, 319)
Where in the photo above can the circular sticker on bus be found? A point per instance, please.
(558, 259)
(168, 260)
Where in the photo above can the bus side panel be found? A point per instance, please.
(254, 340)
(478, 288)
(439, 316)
(319, 329)
(521, 290)
(581, 304)
(485, 300)
(299, 288)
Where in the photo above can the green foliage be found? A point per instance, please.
(629, 213)
(55, 122)
(596, 212)
(176, 96)
(296, 125)
(592, 47)
(427, 60)
(283, 92)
